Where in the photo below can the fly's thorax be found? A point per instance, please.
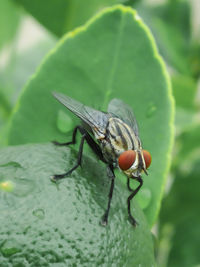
(121, 136)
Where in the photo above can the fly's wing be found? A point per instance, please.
(92, 117)
(124, 112)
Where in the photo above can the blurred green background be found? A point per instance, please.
(26, 35)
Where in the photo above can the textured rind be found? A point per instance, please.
(43, 223)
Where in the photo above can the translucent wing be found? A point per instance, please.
(124, 112)
(92, 117)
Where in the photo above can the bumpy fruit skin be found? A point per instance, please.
(147, 158)
(126, 159)
(44, 224)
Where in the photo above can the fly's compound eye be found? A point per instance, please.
(147, 158)
(126, 159)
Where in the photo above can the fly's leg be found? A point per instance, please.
(128, 185)
(63, 175)
(111, 175)
(93, 145)
(134, 192)
(71, 142)
(85, 137)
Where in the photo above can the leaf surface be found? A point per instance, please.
(63, 15)
(9, 21)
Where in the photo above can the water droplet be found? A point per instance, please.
(22, 187)
(10, 247)
(144, 197)
(64, 122)
(151, 110)
(39, 213)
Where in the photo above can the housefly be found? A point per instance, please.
(113, 137)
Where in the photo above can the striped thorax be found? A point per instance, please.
(119, 137)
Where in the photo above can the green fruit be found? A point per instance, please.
(48, 224)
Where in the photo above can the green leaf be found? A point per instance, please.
(170, 19)
(21, 65)
(177, 14)
(5, 110)
(63, 15)
(179, 218)
(195, 59)
(45, 223)
(180, 214)
(186, 84)
(185, 102)
(15, 74)
(172, 49)
(112, 56)
(188, 143)
(9, 21)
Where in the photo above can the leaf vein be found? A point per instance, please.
(109, 86)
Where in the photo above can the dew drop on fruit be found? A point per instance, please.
(10, 247)
(39, 213)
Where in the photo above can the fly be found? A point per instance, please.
(113, 137)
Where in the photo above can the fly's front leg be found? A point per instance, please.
(128, 185)
(134, 192)
(111, 175)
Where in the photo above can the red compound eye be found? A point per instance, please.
(147, 158)
(126, 159)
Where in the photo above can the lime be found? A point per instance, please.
(48, 224)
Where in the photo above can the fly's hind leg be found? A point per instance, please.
(71, 142)
(63, 175)
(85, 137)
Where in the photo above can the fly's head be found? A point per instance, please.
(134, 162)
